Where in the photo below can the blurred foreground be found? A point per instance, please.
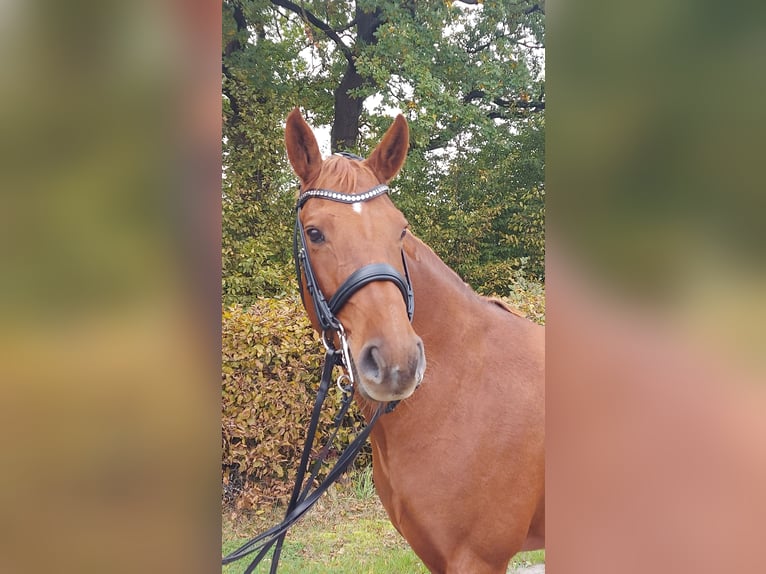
(110, 307)
(656, 285)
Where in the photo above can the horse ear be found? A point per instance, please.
(388, 157)
(302, 148)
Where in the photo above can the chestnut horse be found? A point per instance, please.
(458, 465)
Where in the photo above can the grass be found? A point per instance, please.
(347, 532)
(362, 484)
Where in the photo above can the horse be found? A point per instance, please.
(459, 464)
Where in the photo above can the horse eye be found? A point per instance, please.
(315, 236)
(404, 232)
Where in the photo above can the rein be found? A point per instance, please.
(303, 496)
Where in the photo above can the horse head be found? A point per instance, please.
(345, 240)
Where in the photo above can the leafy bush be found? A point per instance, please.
(271, 371)
(528, 296)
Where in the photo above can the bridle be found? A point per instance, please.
(303, 496)
(326, 311)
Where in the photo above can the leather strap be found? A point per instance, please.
(363, 276)
(305, 495)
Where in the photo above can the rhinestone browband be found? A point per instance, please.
(342, 197)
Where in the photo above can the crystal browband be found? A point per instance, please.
(342, 197)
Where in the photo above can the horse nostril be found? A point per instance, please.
(372, 363)
(420, 362)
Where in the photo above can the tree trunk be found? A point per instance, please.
(348, 108)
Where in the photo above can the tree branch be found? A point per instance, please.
(531, 46)
(534, 106)
(508, 109)
(515, 111)
(347, 26)
(480, 47)
(310, 18)
(520, 104)
(535, 8)
(227, 92)
(232, 46)
(473, 95)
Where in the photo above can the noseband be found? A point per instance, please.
(326, 311)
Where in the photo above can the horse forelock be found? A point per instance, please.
(345, 175)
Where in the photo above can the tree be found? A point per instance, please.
(467, 76)
(256, 194)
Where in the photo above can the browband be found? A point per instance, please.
(342, 197)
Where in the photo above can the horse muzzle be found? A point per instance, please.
(390, 372)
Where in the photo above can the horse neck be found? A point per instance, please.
(445, 305)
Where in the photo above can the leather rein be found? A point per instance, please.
(303, 496)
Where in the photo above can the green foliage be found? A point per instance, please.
(363, 485)
(527, 296)
(483, 212)
(258, 189)
(271, 371)
(467, 77)
(256, 247)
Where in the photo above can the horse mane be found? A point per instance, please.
(424, 251)
(505, 306)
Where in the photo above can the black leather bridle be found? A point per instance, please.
(326, 311)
